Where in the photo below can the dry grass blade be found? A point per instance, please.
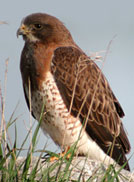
(95, 90)
(70, 108)
(103, 63)
(3, 123)
(3, 22)
(30, 116)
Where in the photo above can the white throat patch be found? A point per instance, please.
(32, 38)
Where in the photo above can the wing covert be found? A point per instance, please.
(72, 69)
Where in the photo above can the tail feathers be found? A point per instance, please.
(119, 156)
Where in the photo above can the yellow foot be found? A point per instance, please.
(62, 154)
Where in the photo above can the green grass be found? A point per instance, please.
(11, 171)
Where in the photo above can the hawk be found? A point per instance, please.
(78, 101)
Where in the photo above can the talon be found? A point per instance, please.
(54, 158)
(51, 158)
(64, 153)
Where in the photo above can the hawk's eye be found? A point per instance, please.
(38, 26)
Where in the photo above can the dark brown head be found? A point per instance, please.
(44, 28)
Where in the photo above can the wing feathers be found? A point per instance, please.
(104, 119)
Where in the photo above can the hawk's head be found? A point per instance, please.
(43, 28)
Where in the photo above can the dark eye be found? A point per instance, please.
(37, 26)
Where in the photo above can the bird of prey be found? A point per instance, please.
(78, 101)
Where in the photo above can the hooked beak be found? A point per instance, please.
(23, 30)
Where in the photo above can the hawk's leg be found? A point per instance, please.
(53, 157)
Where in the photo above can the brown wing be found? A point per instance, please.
(27, 101)
(72, 69)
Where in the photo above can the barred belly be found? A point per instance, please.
(62, 127)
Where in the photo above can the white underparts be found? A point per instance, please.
(63, 128)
